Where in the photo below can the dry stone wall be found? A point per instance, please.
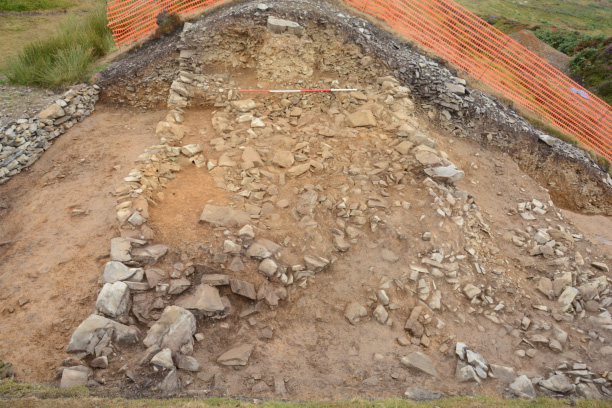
(25, 140)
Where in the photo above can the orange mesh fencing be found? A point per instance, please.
(455, 34)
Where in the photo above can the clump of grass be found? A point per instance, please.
(167, 23)
(64, 57)
(545, 127)
(12, 389)
(32, 5)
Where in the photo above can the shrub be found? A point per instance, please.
(581, 60)
(568, 42)
(167, 23)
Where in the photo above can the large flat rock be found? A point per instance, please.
(224, 216)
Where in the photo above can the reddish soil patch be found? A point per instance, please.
(55, 259)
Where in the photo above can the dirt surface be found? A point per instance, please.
(53, 258)
(422, 242)
(555, 57)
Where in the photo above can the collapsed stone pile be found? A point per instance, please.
(22, 142)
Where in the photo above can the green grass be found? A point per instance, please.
(18, 395)
(34, 5)
(9, 389)
(460, 402)
(590, 16)
(65, 57)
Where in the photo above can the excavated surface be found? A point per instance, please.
(356, 196)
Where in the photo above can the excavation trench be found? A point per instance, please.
(363, 216)
(574, 181)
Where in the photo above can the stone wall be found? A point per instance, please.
(24, 141)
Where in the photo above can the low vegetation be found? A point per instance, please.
(592, 17)
(34, 5)
(64, 57)
(591, 62)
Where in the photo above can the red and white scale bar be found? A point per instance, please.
(296, 90)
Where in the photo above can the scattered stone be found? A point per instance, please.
(471, 291)
(360, 119)
(505, 375)
(245, 105)
(150, 254)
(279, 26)
(114, 299)
(466, 373)
(89, 333)
(187, 363)
(163, 359)
(601, 266)
(116, 271)
(99, 362)
(558, 383)
(268, 267)
(413, 326)
(174, 330)
(567, 297)
(523, 388)
(73, 378)
(205, 299)
(449, 175)
(283, 159)
(224, 216)
(420, 363)
(381, 314)
(420, 394)
(298, 170)
(171, 383)
(243, 288)
(178, 286)
(238, 356)
(354, 312)
(315, 263)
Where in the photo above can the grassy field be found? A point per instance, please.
(17, 395)
(63, 57)
(590, 16)
(33, 5)
(21, 29)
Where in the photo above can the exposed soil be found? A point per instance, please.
(555, 57)
(51, 267)
(53, 258)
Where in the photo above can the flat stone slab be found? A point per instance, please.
(224, 216)
(421, 394)
(238, 356)
(420, 362)
(205, 299)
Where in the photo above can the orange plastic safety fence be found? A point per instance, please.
(457, 35)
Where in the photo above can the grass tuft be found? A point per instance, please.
(64, 57)
(11, 389)
(34, 5)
